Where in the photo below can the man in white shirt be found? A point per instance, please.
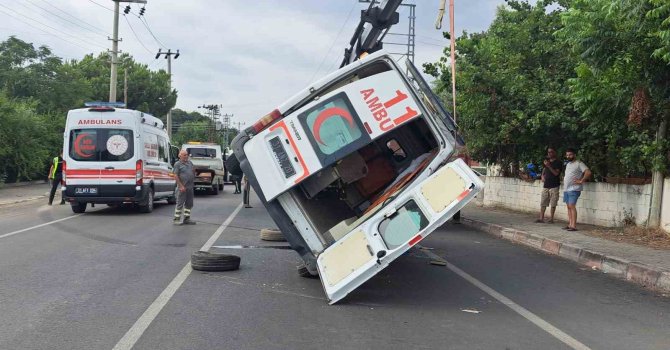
(576, 173)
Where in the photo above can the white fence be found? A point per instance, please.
(600, 204)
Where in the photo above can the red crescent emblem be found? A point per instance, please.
(324, 115)
(77, 145)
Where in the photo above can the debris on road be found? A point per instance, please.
(471, 311)
(438, 262)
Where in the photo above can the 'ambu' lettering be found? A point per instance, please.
(379, 112)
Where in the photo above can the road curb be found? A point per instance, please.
(649, 277)
(22, 200)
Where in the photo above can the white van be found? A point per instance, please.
(356, 169)
(115, 155)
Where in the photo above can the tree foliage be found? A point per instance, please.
(589, 74)
(37, 89)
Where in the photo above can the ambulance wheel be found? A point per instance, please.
(79, 207)
(149, 206)
(233, 165)
(221, 185)
(215, 189)
(206, 261)
(303, 271)
(273, 235)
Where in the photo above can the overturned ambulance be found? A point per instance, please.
(356, 169)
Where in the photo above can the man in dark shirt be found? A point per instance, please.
(552, 181)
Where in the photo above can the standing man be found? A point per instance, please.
(56, 176)
(552, 181)
(576, 173)
(185, 176)
(237, 179)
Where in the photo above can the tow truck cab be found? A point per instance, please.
(115, 155)
(356, 169)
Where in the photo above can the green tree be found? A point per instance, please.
(148, 91)
(622, 88)
(512, 96)
(24, 139)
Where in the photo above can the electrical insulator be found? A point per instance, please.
(126, 10)
(142, 11)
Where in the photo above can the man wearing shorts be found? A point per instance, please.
(576, 173)
(552, 181)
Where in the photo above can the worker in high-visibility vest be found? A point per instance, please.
(56, 176)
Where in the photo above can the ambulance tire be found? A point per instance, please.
(303, 271)
(79, 207)
(148, 207)
(221, 185)
(215, 190)
(211, 262)
(272, 235)
(233, 165)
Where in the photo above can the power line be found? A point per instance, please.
(146, 25)
(67, 20)
(332, 44)
(48, 26)
(38, 28)
(78, 19)
(135, 34)
(103, 6)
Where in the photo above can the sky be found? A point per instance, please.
(248, 56)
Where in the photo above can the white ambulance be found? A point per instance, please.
(356, 169)
(114, 155)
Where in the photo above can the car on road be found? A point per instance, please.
(114, 155)
(356, 169)
(207, 162)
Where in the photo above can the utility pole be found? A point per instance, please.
(125, 87)
(115, 47)
(213, 112)
(226, 124)
(168, 56)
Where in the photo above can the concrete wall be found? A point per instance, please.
(665, 207)
(600, 204)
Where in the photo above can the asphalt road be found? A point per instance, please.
(116, 278)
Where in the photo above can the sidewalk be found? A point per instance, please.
(17, 193)
(642, 265)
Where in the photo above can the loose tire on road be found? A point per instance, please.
(206, 261)
(273, 235)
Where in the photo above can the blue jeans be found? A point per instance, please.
(570, 197)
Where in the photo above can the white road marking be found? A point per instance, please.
(536, 320)
(135, 332)
(38, 226)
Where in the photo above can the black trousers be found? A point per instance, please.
(54, 186)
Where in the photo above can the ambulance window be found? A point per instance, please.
(101, 145)
(334, 128)
(404, 224)
(151, 146)
(162, 149)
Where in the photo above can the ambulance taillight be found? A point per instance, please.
(264, 122)
(139, 173)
